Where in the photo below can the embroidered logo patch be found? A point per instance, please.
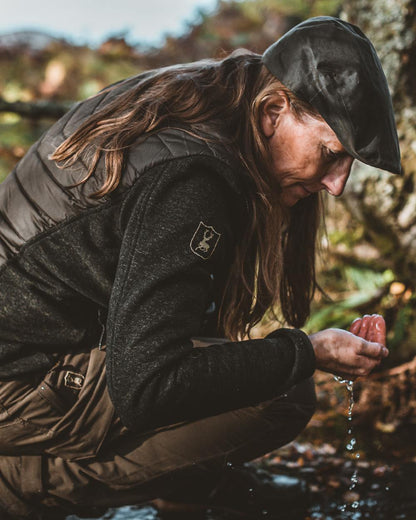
(204, 241)
(74, 380)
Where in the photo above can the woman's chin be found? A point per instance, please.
(290, 197)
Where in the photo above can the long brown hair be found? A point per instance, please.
(275, 261)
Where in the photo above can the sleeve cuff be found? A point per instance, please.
(305, 354)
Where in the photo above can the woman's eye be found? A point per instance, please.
(330, 154)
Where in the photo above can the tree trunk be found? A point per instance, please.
(386, 204)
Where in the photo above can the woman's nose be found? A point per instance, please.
(335, 179)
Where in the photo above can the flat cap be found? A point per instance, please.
(334, 67)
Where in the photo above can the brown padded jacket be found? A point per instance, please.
(151, 259)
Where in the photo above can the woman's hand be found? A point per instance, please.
(348, 355)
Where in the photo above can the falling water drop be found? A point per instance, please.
(351, 446)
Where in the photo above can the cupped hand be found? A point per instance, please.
(345, 354)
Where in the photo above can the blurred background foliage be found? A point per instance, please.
(366, 265)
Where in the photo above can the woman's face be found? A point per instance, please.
(307, 156)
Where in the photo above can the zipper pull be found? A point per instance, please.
(100, 321)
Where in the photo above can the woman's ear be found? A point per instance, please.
(271, 110)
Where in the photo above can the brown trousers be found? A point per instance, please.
(62, 444)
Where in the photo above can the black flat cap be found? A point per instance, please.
(334, 67)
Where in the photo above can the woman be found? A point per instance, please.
(177, 206)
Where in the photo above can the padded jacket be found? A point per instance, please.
(149, 262)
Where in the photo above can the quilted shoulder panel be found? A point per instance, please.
(39, 195)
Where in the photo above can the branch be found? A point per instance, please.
(355, 259)
(36, 109)
(409, 367)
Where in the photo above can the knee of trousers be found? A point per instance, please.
(295, 408)
(20, 485)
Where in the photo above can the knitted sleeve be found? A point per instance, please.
(178, 234)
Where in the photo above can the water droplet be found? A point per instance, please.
(265, 512)
(350, 446)
(230, 465)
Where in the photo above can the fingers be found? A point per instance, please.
(362, 366)
(372, 350)
(367, 359)
(372, 328)
(365, 326)
(356, 326)
(378, 330)
(361, 326)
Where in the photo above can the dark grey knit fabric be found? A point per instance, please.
(154, 257)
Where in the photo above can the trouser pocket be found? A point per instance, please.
(68, 414)
(81, 431)
(26, 418)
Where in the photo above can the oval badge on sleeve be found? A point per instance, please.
(204, 241)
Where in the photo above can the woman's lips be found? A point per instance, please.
(297, 191)
(303, 192)
(309, 192)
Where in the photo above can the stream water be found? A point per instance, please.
(382, 492)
